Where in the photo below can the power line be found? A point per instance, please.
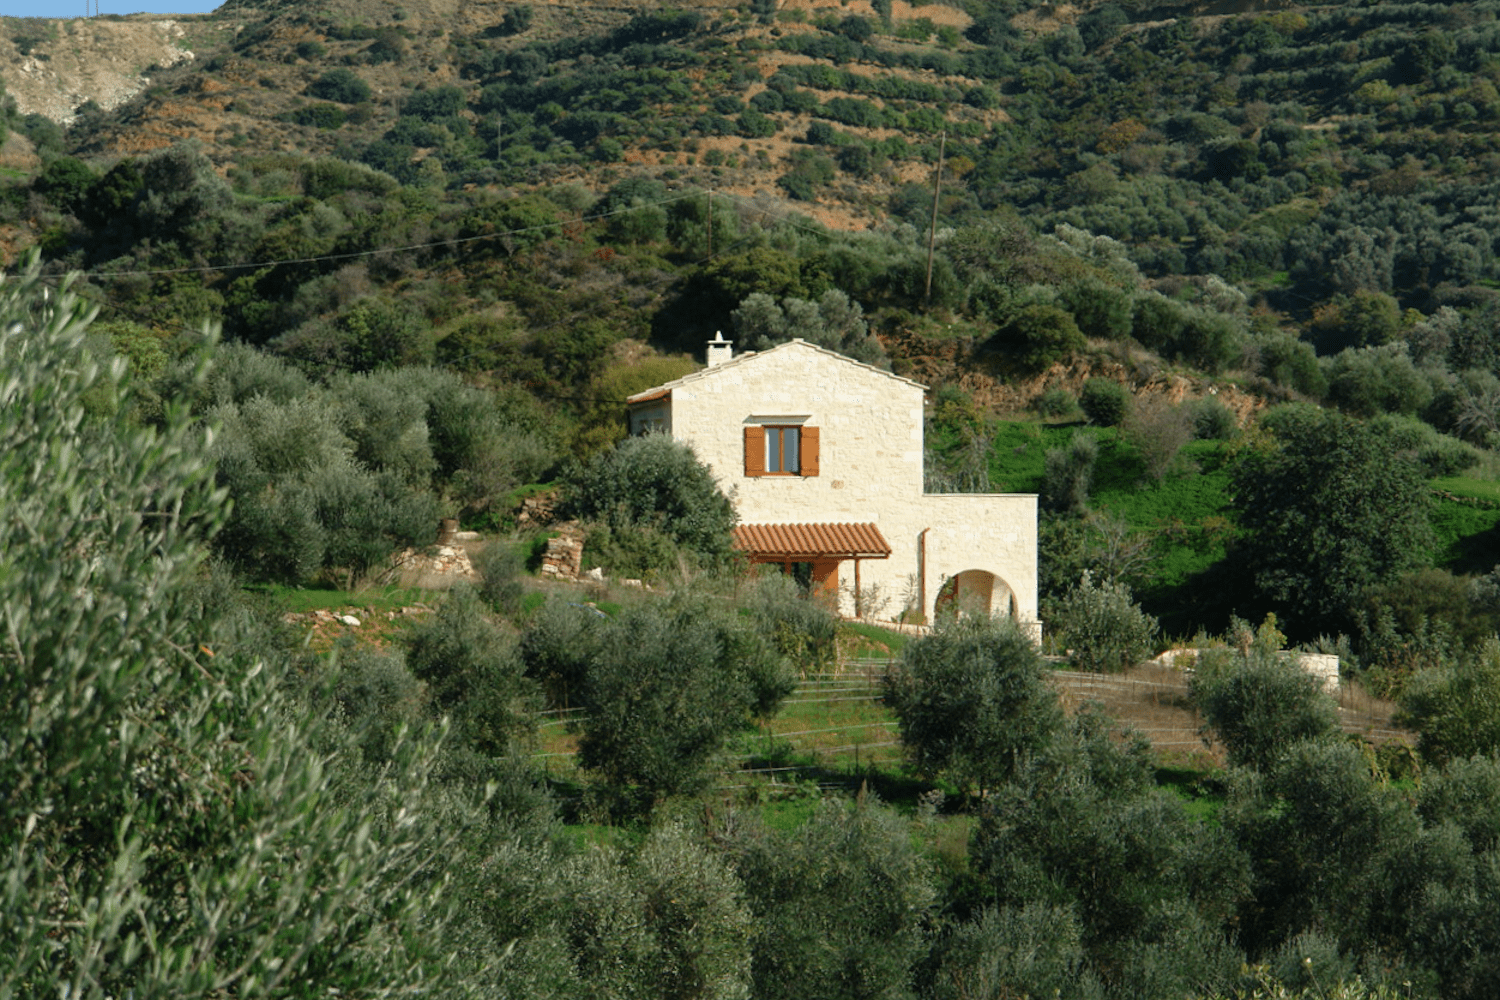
(455, 241)
(783, 217)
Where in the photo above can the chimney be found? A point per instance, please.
(719, 349)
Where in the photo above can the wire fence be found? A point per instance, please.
(1157, 707)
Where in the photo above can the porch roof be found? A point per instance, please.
(807, 542)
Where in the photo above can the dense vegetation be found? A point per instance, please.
(1159, 242)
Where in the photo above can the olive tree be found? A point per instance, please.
(175, 823)
(841, 905)
(1102, 626)
(656, 483)
(663, 686)
(1456, 707)
(1260, 703)
(972, 700)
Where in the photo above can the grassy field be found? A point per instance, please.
(1189, 511)
(835, 736)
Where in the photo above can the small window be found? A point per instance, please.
(783, 448)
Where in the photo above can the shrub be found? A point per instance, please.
(1158, 430)
(656, 482)
(1330, 510)
(1084, 827)
(841, 905)
(1260, 703)
(669, 922)
(340, 85)
(755, 125)
(326, 116)
(834, 321)
(1293, 363)
(1438, 454)
(1212, 420)
(474, 673)
(802, 628)
(1456, 708)
(1034, 950)
(664, 686)
(643, 552)
(1069, 475)
(558, 644)
(1100, 310)
(500, 567)
(1104, 402)
(303, 503)
(1042, 335)
(434, 104)
(972, 700)
(155, 750)
(1102, 627)
(1367, 381)
(1056, 402)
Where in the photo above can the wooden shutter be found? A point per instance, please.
(809, 451)
(755, 451)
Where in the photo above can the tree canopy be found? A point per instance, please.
(1328, 507)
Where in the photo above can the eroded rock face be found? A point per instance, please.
(98, 59)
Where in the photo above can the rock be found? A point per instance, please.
(349, 620)
(596, 574)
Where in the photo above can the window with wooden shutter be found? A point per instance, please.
(755, 451)
(809, 451)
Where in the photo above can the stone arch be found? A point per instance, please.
(976, 591)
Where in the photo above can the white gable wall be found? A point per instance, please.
(870, 470)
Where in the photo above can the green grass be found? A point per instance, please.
(892, 640)
(1467, 541)
(1018, 452)
(1189, 507)
(790, 812)
(1480, 489)
(1201, 794)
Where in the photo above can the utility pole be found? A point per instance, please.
(937, 187)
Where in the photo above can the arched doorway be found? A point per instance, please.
(975, 592)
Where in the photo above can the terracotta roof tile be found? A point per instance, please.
(802, 542)
(650, 396)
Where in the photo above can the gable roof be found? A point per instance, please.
(665, 389)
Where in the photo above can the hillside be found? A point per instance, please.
(1237, 205)
(1217, 282)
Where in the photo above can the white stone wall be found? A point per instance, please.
(870, 470)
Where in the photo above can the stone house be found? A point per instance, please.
(822, 457)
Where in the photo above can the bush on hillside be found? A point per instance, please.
(842, 904)
(653, 482)
(1069, 475)
(340, 85)
(1103, 629)
(1104, 402)
(1041, 335)
(1158, 430)
(1456, 707)
(1212, 420)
